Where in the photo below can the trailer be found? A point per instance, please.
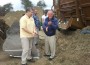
(72, 13)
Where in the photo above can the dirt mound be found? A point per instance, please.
(1, 43)
(3, 29)
(72, 49)
(13, 16)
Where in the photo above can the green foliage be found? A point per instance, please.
(5, 9)
(8, 7)
(41, 4)
(26, 3)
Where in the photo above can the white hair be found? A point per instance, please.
(50, 11)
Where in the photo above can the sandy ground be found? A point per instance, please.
(73, 49)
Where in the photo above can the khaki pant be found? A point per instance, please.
(26, 46)
(50, 44)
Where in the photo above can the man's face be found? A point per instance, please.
(50, 14)
(30, 13)
(35, 11)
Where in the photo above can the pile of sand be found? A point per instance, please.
(13, 16)
(72, 49)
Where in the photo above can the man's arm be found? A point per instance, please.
(36, 20)
(55, 24)
(23, 25)
(27, 31)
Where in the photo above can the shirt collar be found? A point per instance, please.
(27, 16)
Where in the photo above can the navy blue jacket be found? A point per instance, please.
(37, 22)
(51, 28)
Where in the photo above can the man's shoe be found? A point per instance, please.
(24, 64)
(36, 44)
(31, 60)
(51, 58)
(47, 55)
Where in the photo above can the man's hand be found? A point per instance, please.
(35, 32)
(49, 23)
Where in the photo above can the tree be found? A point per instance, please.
(26, 3)
(5, 9)
(8, 7)
(2, 11)
(41, 4)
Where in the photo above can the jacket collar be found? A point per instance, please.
(51, 18)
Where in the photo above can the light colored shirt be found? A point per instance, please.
(43, 18)
(28, 23)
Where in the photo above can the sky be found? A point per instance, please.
(18, 6)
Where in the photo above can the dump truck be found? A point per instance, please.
(73, 14)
